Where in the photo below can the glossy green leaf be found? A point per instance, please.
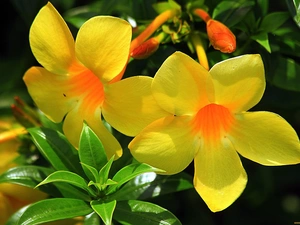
(14, 218)
(55, 147)
(232, 12)
(67, 177)
(129, 172)
(54, 209)
(92, 219)
(104, 209)
(93, 172)
(31, 176)
(149, 185)
(263, 40)
(294, 8)
(160, 7)
(273, 21)
(91, 150)
(134, 212)
(104, 172)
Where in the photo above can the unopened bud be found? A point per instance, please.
(145, 49)
(220, 36)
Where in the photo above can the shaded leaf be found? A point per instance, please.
(294, 8)
(273, 21)
(135, 212)
(232, 12)
(55, 147)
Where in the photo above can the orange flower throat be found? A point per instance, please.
(213, 121)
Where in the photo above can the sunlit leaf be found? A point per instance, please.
(91, 151)
(139, 212)
(149, 185)
(104, 209)
(129, 172)
(67, 177)
(54, 209)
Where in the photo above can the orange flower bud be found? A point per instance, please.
(145, 49)
(220, 36)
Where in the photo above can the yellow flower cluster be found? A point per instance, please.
(185, 113)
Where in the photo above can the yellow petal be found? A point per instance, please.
(6, 209)
(52, 93)
(265, 138)
(73, 125)
(129, 105)
(51, 41)
(102, 45)
(219, 175)
(167, 144)
(239, 82)
(179, 86)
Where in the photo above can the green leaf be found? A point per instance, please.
(68, 177)
(160, 7)
(93, 171)
(232, 12)
(55, 147)
(104, 209)
(285, 73)
(135, 212)
(263, 40)
(31, 176)
(92, 219)
(149, 185)
(91, 151)
(294, 8)
(54, 209)
(104, 172)
(273, 21)
(14, 218)
(129, 172)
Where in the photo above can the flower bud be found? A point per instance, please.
(145, 49)
(220, 36)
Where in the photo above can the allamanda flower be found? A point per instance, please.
(78, 80)
(208, 122)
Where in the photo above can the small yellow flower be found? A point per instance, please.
(208, 122)
(80, 79)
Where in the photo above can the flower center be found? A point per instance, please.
(88, 86)
(213, 122)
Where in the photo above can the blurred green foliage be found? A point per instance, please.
(269, 28)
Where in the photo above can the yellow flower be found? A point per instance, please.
(208, 122)
(80, 79)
